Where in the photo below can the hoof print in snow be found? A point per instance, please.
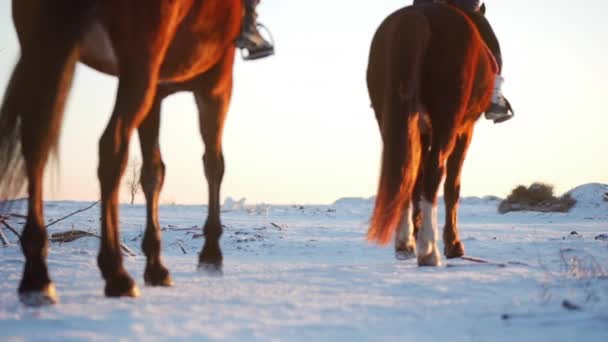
(602, 237)
(402, 254)
(568, 305)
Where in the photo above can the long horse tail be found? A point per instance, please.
(34, 100)
(406, 39)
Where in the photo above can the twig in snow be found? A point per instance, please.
(3, 238)
(277, 226)
(177, 229)
(127, 250)
(73, 235)
(18, 215)
(69, 236)
(9, 227)
(72, 214)
(483, 261)
(179, 243)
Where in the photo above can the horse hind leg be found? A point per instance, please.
(433, 172)
(212, 95)
(152, 178)
(453, 247)
(405, 239)
(33, 110)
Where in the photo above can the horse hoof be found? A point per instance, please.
(46, 296)
(211, 269)
(121, 285)
(405, 253)
(157, 276)
(455, 250)
(432, 259)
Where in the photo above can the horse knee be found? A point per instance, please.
(152, 176)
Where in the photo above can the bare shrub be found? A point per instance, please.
(537, 197)
(132, 176)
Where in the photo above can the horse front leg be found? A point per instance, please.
(135, 91)
(152, 179)
(213, 98)
(453, 247)
(140, 37)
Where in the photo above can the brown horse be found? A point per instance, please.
(155, 48)
(430, 76)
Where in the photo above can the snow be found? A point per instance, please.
(591, 198)
(302, 273)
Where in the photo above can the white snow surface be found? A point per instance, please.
(306, 273)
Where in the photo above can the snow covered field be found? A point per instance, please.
(305, 273)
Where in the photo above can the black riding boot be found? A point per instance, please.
(250, 38)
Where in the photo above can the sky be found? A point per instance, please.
(300, 128)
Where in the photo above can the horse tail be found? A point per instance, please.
(32, 109)
(407, 41)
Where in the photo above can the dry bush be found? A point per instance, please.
(537, 197)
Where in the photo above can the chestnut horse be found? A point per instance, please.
(430, 76)
(155, 48)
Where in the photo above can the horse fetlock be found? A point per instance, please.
(405, 250)
(151, 245)
(35, 275)
(211, 253)
(109, 264)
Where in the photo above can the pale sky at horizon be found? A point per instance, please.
(300, 128)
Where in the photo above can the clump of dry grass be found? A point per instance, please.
(582, 267)
(537, 197)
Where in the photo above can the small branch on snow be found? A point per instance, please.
(69, 236)
(179, 243)
(9, 227)
(279, 227)
(4, 239)
(191, 229)
(127, 250)
(73, 235)
(72, 214)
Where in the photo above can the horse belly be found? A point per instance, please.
(188, 55)
(96, 50)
